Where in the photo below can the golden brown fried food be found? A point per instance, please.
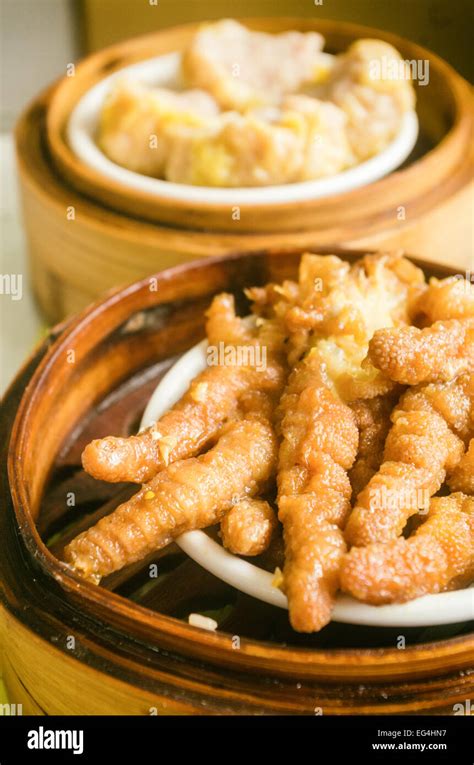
(318, 277)
(419, 449)
(212, 398)
(319, 445)
(190, 494)
(339, 435)
(373, 421)
(335, 317)
(266, 299)
(451, 298)
(343, 305)
(410, 356)
(223, 325)
(339, 309)
(453, 401)
(248, 527)
(462, 477)
(243, 68)
(376, 293)
(438, 555)
(191, 424)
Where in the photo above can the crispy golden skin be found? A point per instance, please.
(212, 398)
(462, 477)
(439, 555)
(313, 304)
(319, 445)
(453, 401)
(322, 323)
(189, 494)
(302, 306)
(410, 356)
(419, 449)
(248, 527)
(331, 298)
(340, 308)
(373, 421)
(444, 299)
(334, 315)
(223, 325)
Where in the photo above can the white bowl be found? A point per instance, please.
(163, 71)
(443, 608)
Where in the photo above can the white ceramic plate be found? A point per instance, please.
(443, 608)
(163, 71)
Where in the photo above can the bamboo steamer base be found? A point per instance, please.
(133, 651)
(47, 680)
(74, 261)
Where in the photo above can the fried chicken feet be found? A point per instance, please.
(439, 555)
(189, 494)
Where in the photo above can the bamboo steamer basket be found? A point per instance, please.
(87, 234)
(125, 647)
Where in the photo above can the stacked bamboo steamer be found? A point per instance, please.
(87, 234)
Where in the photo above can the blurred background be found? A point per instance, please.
(40, 37)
